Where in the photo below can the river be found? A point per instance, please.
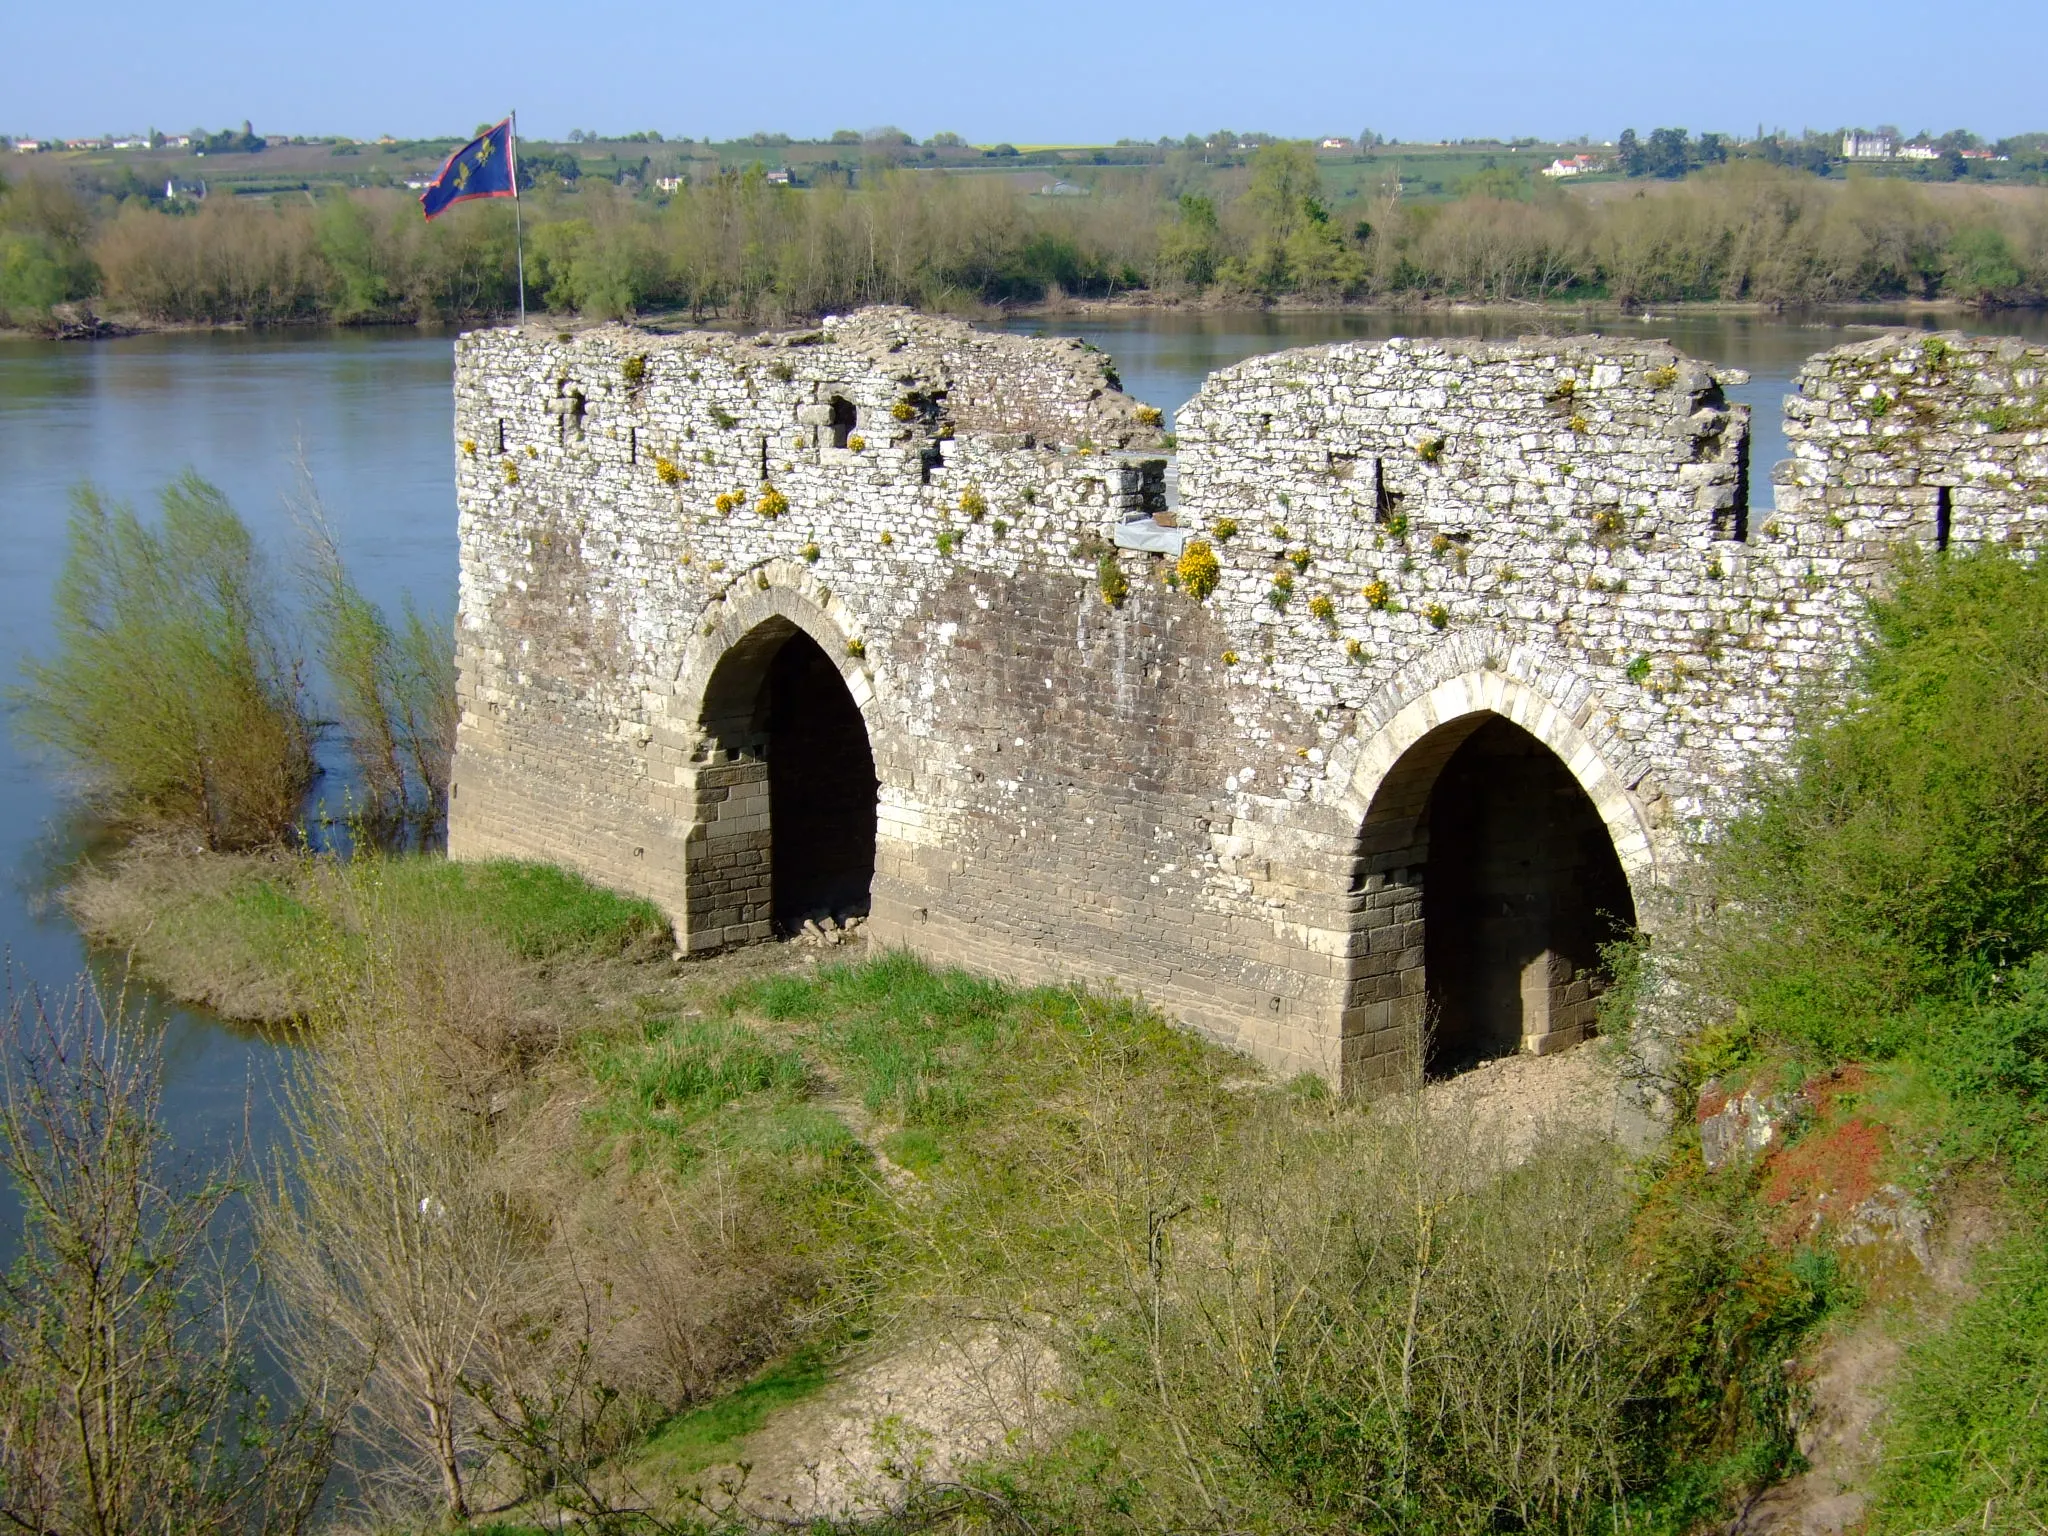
(371, 412)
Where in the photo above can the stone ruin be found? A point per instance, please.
(1389, 691)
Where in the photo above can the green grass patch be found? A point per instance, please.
(912, 1038)
(707, 1435)
(685, 1085)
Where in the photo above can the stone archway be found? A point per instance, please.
(771, 712)
(1497, 849)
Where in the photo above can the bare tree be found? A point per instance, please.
(126, 1400)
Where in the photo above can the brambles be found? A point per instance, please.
(1198, 570)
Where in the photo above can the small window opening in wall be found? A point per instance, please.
(1732, 521)
(1943, 511)
(632, 445)
(764, 458)
(501, 435)
(1385, 503)
(843, 419)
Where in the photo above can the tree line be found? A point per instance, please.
(738, 247)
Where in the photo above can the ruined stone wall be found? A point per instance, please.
(1220, 802)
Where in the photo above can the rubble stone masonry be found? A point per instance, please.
(1083, 769)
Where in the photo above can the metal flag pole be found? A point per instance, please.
(518, 227)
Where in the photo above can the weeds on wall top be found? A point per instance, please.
(1661, 378)
(1151, 416)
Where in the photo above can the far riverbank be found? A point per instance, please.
(85, 324)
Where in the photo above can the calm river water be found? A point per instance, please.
(371, 413)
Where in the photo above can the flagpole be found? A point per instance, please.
(518, 226)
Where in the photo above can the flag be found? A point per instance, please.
(481, 168)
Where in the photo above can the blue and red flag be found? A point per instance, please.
(481, 168)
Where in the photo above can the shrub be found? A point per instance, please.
(772, 503)
(171, 690)
(392, 690)
(1110, 580)
(1902, 856)
(634, 370)
(1377, 594)
(669, 472)
(973, 504)
(1198, 570)
(1225, 529)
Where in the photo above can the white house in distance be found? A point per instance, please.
(1335, 143)
(1578, 165)
(1857, 145)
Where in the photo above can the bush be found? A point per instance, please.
(171, 691)
(1902, 856)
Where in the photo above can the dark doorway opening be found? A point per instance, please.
(1522, 888)
(821, 789)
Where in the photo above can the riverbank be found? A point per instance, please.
(1937, 313)
(876, 1244)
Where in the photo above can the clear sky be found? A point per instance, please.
(1056, 71)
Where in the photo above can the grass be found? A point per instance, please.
(253, 937)
(705, 1436)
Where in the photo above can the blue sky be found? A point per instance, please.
(1058, 71)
